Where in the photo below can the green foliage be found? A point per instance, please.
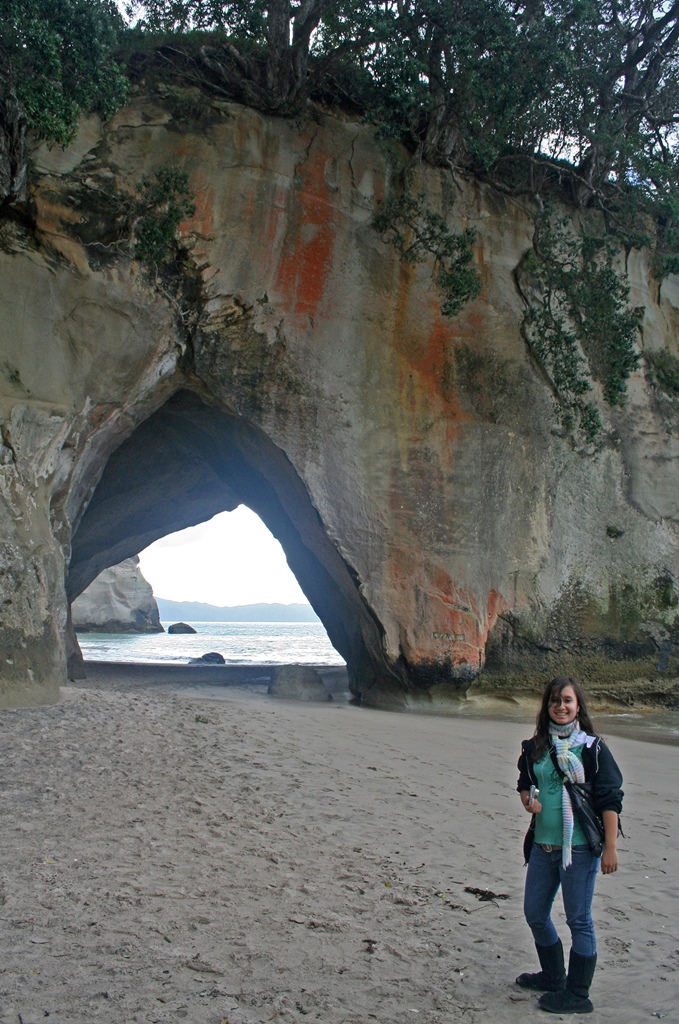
(259, 50)
(242, 19)
(573, 97)
(665, 369)
(578, 322)
(161, 204)
(666, 210)
(461, 79)
(418, 233)
(582, 92)
(57, 55)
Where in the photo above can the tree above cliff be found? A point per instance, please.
(259, 51)
(570, 99)
(587, 89)
(56, 63)
(519, 91)
(573, 98)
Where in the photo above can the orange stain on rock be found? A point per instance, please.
(307, 256)
(433, 358)
(304, 275)
(51, 212)
(495, 606)
(451, 623)
(423, 399)
(427, 380)
(436, 364)
(462, 615)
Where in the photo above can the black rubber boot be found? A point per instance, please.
(552, 977)
(575, 997)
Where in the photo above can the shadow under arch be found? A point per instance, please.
(187, 462)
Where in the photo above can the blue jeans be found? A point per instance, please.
(543, 878)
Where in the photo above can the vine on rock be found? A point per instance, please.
(665, 369)
(417, 233)
(578, 323)
(162, 202)
(667, 249)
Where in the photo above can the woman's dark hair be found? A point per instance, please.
(554, 689)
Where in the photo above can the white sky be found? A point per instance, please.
(231, 559)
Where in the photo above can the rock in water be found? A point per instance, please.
(211, 658)
(298, 682)
(180, 627)
(119, 600)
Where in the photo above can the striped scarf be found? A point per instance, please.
(564, 739)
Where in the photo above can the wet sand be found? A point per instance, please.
(169, 857)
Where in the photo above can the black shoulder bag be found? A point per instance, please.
(580, 794)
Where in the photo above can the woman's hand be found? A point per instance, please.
(532, 806)
(609, 858)
(609, 861)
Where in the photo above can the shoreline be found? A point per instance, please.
(643, 723)
(168, 858)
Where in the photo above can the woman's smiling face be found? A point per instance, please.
(563, 706)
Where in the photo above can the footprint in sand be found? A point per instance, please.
(616, 913)
(618, 946)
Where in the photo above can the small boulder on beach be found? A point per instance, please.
(298, 682)
(180, 627)
(211, 658)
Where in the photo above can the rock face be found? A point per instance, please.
(180, 627)
(446, 535)
(119, 600)
(298, 682)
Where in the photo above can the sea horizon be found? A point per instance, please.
(261, 611)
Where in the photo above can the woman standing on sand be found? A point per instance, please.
(564, 745)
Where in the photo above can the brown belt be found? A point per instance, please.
(549, 847)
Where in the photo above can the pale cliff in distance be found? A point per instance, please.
(445, 531)
(119, 600)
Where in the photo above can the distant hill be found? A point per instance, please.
(195, 611)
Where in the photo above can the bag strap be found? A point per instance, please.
(560, 773)
(567, 783)
(581, 786)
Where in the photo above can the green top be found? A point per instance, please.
(549, 822)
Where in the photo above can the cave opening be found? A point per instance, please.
(219, 590)
(190, 461)
(228, 561)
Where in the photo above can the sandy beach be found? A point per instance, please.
(167, 857)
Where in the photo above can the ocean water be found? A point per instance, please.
(240, 643)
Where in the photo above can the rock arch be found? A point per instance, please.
(438, 523)
(190, 460)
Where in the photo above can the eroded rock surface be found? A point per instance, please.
(297, 682)
(409, 464)
(119, 600)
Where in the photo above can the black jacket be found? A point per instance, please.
(602, 775)
(600, 770)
